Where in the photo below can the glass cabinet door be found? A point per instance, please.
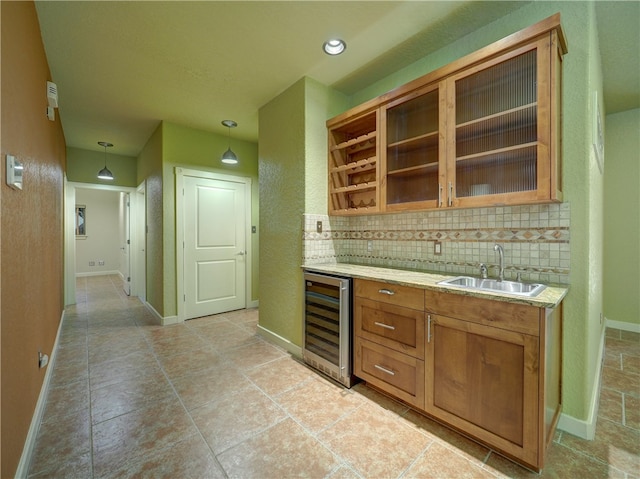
(413, 150)
(497, 136)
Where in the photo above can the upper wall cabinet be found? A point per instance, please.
(481, 131)
(354, 172)
(412, 134)
(500, 140)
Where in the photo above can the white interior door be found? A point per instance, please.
(125, 243)
(214, 246)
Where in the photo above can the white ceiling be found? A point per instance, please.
(122, 67)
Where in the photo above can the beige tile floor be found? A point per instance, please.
(209, 398)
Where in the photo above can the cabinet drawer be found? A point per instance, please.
(500, 314)
(390, 293)
(396, 373)
(392, 326)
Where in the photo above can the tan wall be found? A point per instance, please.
(31, 235)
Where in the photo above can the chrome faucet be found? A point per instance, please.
(500, 251)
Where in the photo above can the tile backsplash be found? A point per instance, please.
(535, 240)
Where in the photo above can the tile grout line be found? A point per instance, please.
(187, 412)
(416, 459)
(90, 400)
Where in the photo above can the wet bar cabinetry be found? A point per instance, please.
(493, 371)
(488, 368)
(354, 170)
(389, 342)
(412, 137)
(481, 131)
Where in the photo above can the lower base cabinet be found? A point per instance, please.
(491, 370)
(399, 374)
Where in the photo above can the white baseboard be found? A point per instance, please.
(30, 441)
(167, 320)
(280, 341)
(578, 427)
(633, 327)
(97, 273)
(253, 304)
(162, 320)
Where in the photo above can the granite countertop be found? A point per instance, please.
(550, 297)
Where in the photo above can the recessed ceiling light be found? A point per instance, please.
(334, 47)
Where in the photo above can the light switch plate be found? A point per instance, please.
(319, 226)
(14, 172)
(437, 247)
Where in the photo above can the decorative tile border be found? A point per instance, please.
(556, 235)
(535, 240)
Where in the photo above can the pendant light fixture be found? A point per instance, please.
(229, 157)
(104, 173)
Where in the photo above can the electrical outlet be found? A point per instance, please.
(369, 246)
(92, 263)
(437, 247)
(319, 226)
(101, 262)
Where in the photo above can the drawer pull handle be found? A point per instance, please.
(386, 326)
(386, 291)
(428, 328)
(384, 370)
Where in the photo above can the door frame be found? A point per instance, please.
(180, 174)
(140, 264)
(70, 234)
(125, 223)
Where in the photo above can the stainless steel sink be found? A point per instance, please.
(512, 287)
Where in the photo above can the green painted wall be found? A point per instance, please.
(622, 221)
(584, 319)
(583, 187)
(281, 157)
(293, 180)
(197, 149)
(172, 146)
(282, 190)
(83, 167)
(321, 103)
(150, 172)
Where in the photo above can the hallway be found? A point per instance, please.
(209, 398)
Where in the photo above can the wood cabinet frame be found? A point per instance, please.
(548, 39)
(538, 332)
(489, 369)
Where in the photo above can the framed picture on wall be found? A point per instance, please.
(598, 133)
(81, 221)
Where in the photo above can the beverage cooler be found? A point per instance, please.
(327, 343)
